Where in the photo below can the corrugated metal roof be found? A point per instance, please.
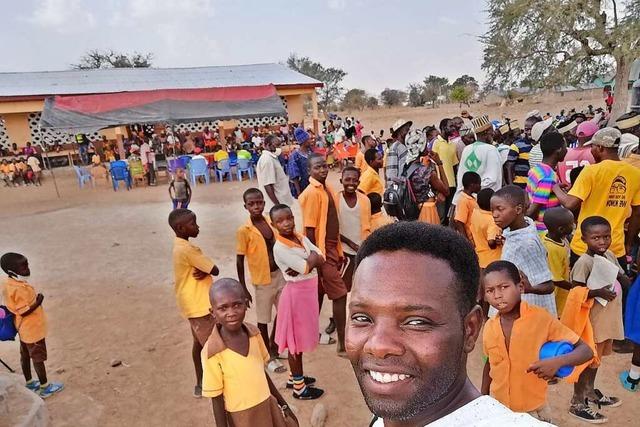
(131, 79)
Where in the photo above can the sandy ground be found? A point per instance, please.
(103, 261)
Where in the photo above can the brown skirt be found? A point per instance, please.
(265, 414)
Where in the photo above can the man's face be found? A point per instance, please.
(457, 123)
(254, 203)
(318, 169)
(271, 146)
(350, 181)
(377, 163)
(405, 336)
(528, 124)
(22, 267)
(504, 212)
(229, 308)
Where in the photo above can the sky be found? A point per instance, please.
(379, 43)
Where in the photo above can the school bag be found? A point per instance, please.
(399, 198)
(8, 329)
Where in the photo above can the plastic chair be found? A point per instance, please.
(254, 157)
(120, 172)
(233, 159)
(136, 170)
(172, 165)
(223, 167)
(198, 167)
(244, 165)
(184, 160)
(83, 176)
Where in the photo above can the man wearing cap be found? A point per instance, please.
(517, 166)
(629, 125)
(481, 157)
(398, 151)
(579, 155)
(537, 131)
(567, 129)
(297, 167)
(609, 188)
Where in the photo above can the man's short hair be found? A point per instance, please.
(366, 138)
(432, 240)
(270, 139)
(593, 221)
(370, 155)
(251, 191)
(469, 178)
(10, 260)
(351, 169)
(551, 142)
(506, 267)
(376, 202)
(276, 208)
(312, 157)
(484, 198)
(511, 193)
(178, 215)
(443, 125)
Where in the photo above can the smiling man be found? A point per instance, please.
(408, 334)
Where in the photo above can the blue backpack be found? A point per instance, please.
(8, 329)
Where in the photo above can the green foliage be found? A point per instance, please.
(393, 97)
(331, 77)
(460, 94)
(354, 99)
(110, 59)
(417, 96)
(372, 102)
(466, 81)
(434, 87)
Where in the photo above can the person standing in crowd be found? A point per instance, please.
(580, 155)
(447, 151)
(370, 181)
(537, 132)
(368, 142)
(271, 177)
(629, 125)
(608, 188)
(517, 166)
(568, 128)
(409, 334)
(297, 165)
(397, 154)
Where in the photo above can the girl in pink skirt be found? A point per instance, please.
(297, 327)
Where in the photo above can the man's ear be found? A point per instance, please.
(472, 326)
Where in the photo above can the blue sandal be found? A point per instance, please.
(50, 389)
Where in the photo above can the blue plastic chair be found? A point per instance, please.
(83, 176)
(172, 165)
(223, 167)
(184, 161)
(254, 157)
(120, 172)
(233, 159)
(198, 167)
(244, 165)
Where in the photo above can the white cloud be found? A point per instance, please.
(65, 16)
(337, 4)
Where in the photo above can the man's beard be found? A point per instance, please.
(438, 382)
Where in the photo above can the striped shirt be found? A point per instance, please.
(540, 184)
(395, 161)
(524, 248)
(535, 155)
(519, 153)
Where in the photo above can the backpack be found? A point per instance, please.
(8, 329)
(399, 199)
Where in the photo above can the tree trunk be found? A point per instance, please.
(621, 99)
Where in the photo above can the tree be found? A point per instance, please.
(372, 102)
(354, 99)
(554, 42)
(465, 80)
(392, 97)
(417, 96)
(461, 94)
(110, 59)
(434, 87)
(330, 77)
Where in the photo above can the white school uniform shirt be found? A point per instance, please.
(483, 159)
(485, 411)
(291, 256)
(350, 227)
(34, 163)
(269, 171)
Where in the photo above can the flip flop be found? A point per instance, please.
(276, 367)
(326, 340)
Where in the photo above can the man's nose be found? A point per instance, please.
(383, 342)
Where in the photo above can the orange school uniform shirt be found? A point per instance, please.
(483, 228)
(18, 296)
(511, 385)
(370, 181)
(464, 209)
(379, 220)
(314, 202)
(359, 162)
(252, 245)
(192, 295)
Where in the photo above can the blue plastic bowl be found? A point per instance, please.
(554, 349)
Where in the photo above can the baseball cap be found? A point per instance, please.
(538, 129)
(587, 129)
(607, 137)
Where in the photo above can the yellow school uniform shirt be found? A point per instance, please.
(220, 155)
(464, 209)
(19, 296)
(558, 260)
(359, 162)
(192, 295)
(241, 380)
(314, 202)
(607, 189)
(252, 245)
(6, 168)
(483, 228)
(370, 181)
(449, 157)
(379, 220)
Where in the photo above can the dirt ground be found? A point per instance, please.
(103, 261)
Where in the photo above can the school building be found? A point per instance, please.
(22, 96)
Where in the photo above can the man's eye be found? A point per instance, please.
(360, 318)
(418, 322)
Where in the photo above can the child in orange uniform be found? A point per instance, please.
(512, 340)
(486, 235)
(467, 204)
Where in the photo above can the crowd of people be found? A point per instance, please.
(532, 232)
(22, 169)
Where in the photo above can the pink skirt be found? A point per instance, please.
(298, 312)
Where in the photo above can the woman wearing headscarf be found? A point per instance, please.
(425, 182)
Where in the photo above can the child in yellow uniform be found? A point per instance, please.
(233, 361)
(21, 300)
(487, 236)
(193, 271)
(378, 218)
(467, 204)
(559, 222)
